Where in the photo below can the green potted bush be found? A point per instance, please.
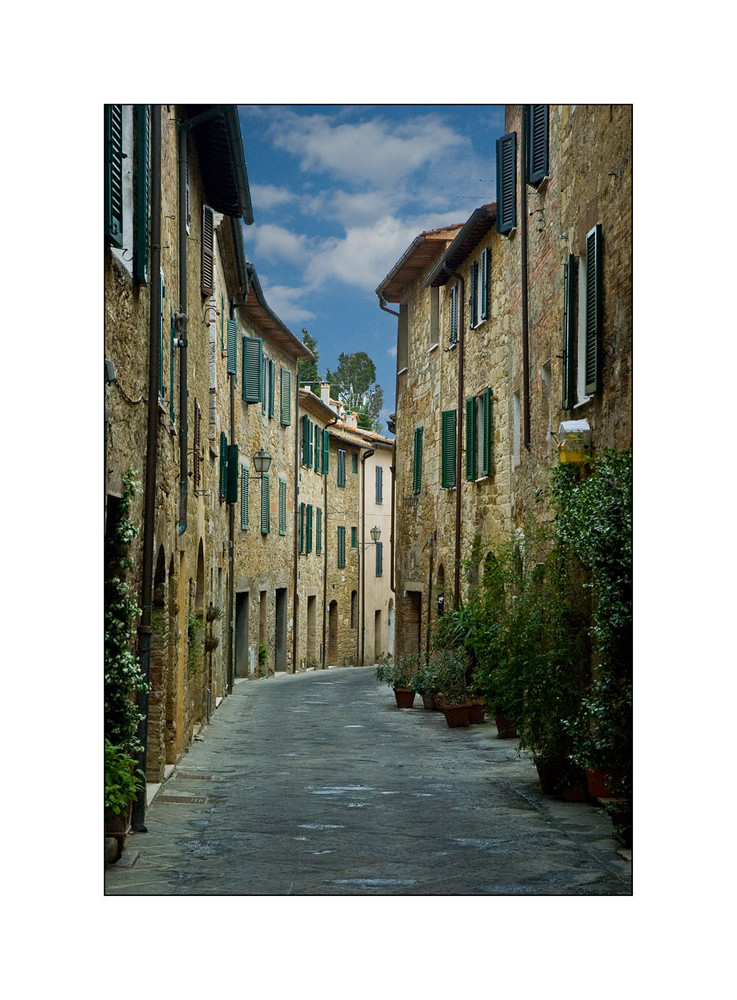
(122, 780)
(425, 683)
(399, 677)
(454, 700)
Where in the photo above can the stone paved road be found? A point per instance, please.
(316, 784)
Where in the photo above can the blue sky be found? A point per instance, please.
(339, 193)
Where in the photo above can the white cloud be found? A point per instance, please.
(265, 196)
(285, 302)
(392, 351)
(275, 242)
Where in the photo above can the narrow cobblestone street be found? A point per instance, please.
(316, 784)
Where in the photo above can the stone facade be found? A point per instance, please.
(453, 360)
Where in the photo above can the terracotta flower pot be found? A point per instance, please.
(599, 783)
(507, 727)
(456, 715)
(405, 697)
(476, 713)
(428, 701)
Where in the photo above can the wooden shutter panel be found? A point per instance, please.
(264, 383)
(569, 333)
(318, 530)
(282, 507)
(473, 301)
(286, 396)
(308, 545)
(272, 388)
(448, 449)
(302, 527)
(506, 183)
(223, 484)
(325, 451)
(454, 314)
(379, 484)
(310, 443)
(114, 173)
(487, 457)
(341, 547)
(593, 310)
(417, 461)
(471, 441)
(341, 467)
(537, 142)
(207, 282)
(140, 253)
(244, 498)
(265, 504)
(318, 447)
(379, 558)
(485, 268)
(354, 537)
(232, 347)
(232, 487)
(252, 376)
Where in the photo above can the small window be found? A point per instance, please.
(485, 280)
(473, 298)
(308, 429)
(479, 436)
(417, 460)
(454, 314)
(379, 484)
(448, 449)
(354, 537)
(506, 183)
(232, 347)
(286, 397)
(341, 547)
(379, 558)
(207, 284)
(341, 467)
(282, 507)
(308, 529)
(354, 462)
(318, 530)
(536, 122)
(265, 505)
(252, 369)
(434, 316)
(244, 498)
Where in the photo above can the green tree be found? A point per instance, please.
(307, 370)
(354, 384)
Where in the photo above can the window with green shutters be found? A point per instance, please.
(454, 314)
(448, 449)
(354, 537)
(379, 484)
(341, 467)
(231, 495)
(473, 298)
(282, 506)
(485, 276)
(222, 324)
(232, 347)
(223, 483)
(536, 122)
(471, 438)
(207, 283)
(265, 505)
(308, 529)
(252, 369)
(417, 460)
(487, 433)
(318, 530)
(593, 311)
(506, 183)
(569, 334)
(308, 431)
(244, 498)
(379, 558)
(341, 547)
(302, 527)
(285, 415)
(143, 215)
(354, 462)
(325, 451)
(114, 174)
(317, 454)
(264, 384)
(272, 389)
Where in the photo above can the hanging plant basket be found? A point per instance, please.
(211, 643)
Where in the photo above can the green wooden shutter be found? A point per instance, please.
(310, 443)
(448, 449)
(318, 530)
(244, 498)
(325, 451)
(232, 347)
(379, 558)
(593, 310)
(286, 396)
(485, 269)
(473, 302)
(341, 547)
(354, 462)
(341, 467)
(223, 484)
(379, 484)
(302, 527)
(207, 283)
(265, 505)
(264, 384)
(569, 334)
(252, 378)
(114, 174)
(308, 540)
(282, 506)
(417, 461)
(140, 250)
(471, 439)
(354, 537)
(232, 484)
(272, 389)
(318, 447)
(222, 323)
(506, 183)
(537, 142)
(487, 456)
(454, 314)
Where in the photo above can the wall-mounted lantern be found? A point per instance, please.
(261, 463)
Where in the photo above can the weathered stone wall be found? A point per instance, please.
(343, 588)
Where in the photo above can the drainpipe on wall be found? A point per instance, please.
(325, 558)
(152, 438)
(362, 554)
(392, 582)
(295, 576)
(523, 253)
(459, 431)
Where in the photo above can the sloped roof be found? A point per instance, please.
(420, 254)
(217, 136)
(475, 229)
(258, 309)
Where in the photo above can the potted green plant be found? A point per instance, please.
(122, 781)
(425, 683)
(399, 676)
(452, 677)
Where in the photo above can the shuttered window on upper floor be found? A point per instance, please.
(379, 558)
(265, 504)
(223, 478)
(569, 334)
(285, 411)
(506, 183)
(252, 369)
(114, 174)
(318, 530)
(454, 314)
(402, 338)
(593, 310)
(341, 467)
(485, 278)
(308, 528)
(417, 460)
(207, 282)
(232, 347)
(473, 297)
(536, 122)
(325, 451)
(341, 547)
(379, 484)
(244, 498)
(479, 431)
(308, 433)
(282, 506)
(448, 449)
(143, 186)
(271, 372)
(232, 481)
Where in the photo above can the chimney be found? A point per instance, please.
(353, 421)
(325, 393)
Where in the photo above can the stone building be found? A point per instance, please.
(509, 326)
(181, 302)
